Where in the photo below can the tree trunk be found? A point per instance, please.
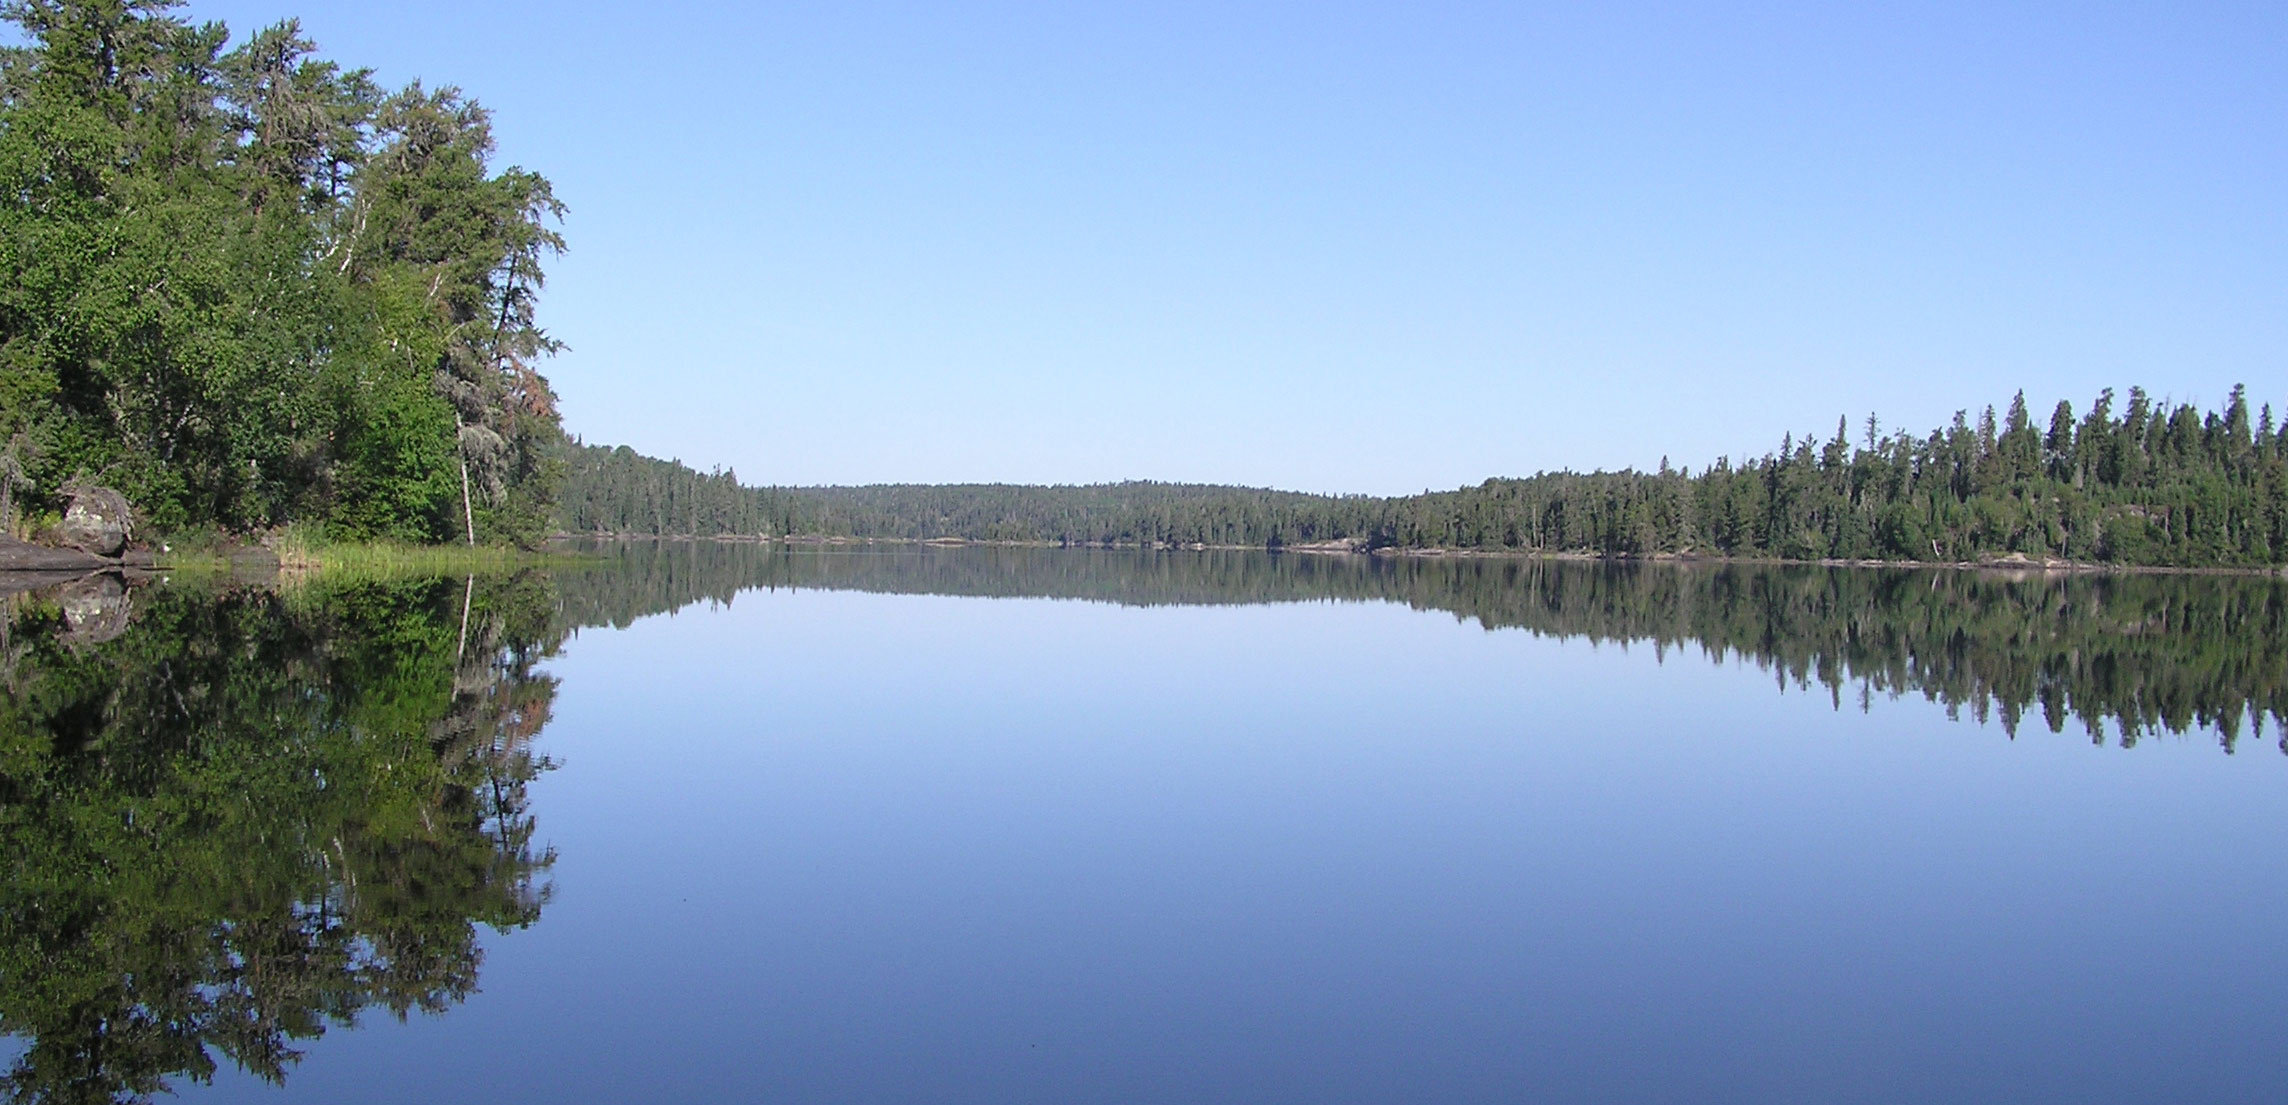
(468, 514)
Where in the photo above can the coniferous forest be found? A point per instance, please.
(249, 287)
(2126, 481)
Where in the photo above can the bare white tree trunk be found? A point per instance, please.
(468, 513)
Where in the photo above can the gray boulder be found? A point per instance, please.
(97, 522)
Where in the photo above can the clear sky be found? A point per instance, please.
(1349, 248)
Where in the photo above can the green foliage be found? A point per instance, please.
(2173, 487)
(250, 287)
(394, 476)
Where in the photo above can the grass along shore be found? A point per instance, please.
(298, 553)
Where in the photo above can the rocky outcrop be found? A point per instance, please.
(16, 556)
(94, 534)
(98, 522)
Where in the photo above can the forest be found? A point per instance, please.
(249, 287)
(2127, 481)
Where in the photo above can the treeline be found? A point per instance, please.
(2135, 484)
(2119, 656)
(2129, 482)
(619, 491)
(247, 286)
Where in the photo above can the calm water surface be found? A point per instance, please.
(721, 823)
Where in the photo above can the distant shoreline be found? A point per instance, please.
(2014, 563)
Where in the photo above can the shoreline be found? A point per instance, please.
(2012, 563)
(293, 561)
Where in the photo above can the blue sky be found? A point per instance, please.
(1349, 248)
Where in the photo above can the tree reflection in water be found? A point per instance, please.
(254, 814)
(2120, 656)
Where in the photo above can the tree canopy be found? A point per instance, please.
(249, 286)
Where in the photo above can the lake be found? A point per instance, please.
(716, 822)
